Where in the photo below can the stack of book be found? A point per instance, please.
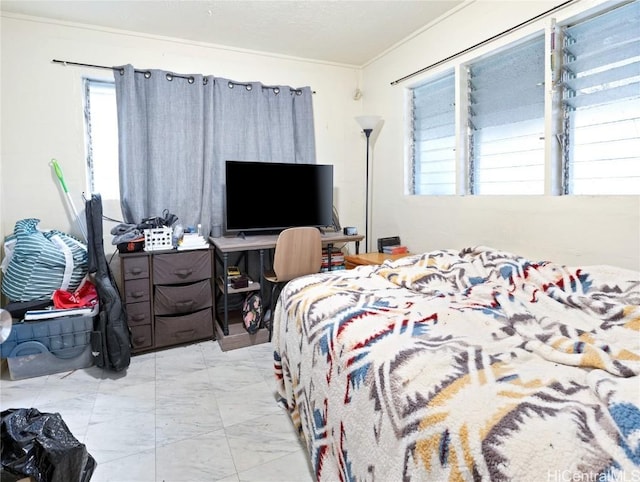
(337, 259)
(395, 249)
(192, 241)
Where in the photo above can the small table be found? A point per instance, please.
(354, 260)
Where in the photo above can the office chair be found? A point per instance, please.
(298, 252)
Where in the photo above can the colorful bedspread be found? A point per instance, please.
(471, 365)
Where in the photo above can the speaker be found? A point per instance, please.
(390, 241)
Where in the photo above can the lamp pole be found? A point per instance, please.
(367, 133)
(368, 123)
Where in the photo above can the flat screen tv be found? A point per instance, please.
(272, 196)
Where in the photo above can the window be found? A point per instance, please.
(601, 101)
(506, 121)
(592, 109)
(434, 138)
(101, 128)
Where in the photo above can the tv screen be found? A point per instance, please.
(272, 196)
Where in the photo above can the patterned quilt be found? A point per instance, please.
(464, 365)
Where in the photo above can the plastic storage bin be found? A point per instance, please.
(158, 239)
(37, 348)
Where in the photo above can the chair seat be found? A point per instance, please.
(270, 275)
(298, 252)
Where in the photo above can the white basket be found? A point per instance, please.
(157, 239)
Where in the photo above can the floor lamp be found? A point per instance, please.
(368, 123)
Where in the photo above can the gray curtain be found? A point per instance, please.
(177, 130)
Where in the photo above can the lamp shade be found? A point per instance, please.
(368, 121)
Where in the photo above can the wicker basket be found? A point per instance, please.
(158, 239)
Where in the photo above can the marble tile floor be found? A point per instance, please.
(192, 413)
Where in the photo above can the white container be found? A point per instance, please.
(158, 239)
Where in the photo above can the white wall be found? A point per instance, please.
(572, 229)
(42, 109)
(42, 118)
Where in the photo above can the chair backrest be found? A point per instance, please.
(298, 252)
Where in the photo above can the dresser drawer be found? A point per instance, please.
(135, 267)
(172, 330)
(185, 267)
(141, 337)
(171, 300)
(136, 290)
(138, 313)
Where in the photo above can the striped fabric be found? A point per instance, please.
(42, 262)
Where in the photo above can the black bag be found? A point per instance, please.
(111, 339)
(41, 445)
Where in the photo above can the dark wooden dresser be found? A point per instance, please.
(168, 297)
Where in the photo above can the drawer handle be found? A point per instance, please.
(183, 273)
(139, 340)
(138, 317)
(184, 305)
(185, 333)
(137, 294)
(136, 270)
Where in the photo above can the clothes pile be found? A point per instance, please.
(129, 238)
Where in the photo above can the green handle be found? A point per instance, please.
(56, 168)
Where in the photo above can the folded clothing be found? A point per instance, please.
(124, 233)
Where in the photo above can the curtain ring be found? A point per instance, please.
(276, 91)
(169, 76)
(147, 75)
(205, 81)
(230, 84)
(190, 79)
(249, 86)
(298, 92)
(121, 70)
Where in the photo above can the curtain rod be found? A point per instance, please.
(486, 41)
(170, 76)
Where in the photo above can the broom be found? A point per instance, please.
(58, 171)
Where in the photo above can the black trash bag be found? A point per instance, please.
(41, 445)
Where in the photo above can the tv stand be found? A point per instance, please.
(234, 335)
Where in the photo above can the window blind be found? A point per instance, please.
(433, 136)
(601, 103)
(506, 121)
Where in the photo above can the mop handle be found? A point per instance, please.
(58, 170)
(60, 176)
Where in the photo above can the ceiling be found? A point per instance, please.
(349, 32)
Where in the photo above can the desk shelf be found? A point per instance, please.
(238, 337)
(252, 286)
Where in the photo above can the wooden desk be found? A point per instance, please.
(229, 244)
(370, 258)
(224, 246)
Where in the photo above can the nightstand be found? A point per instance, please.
(354, 260)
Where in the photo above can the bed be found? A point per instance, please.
(453, 365)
